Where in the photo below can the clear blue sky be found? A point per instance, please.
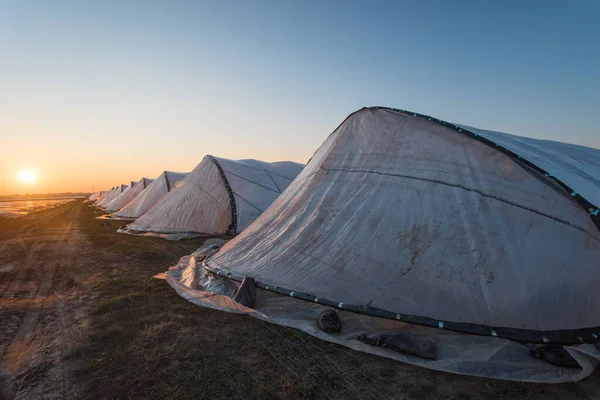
(167, 82)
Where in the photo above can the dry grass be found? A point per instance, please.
(144, 341)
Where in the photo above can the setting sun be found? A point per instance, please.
(27, 176)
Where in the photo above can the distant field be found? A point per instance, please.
(18, 208)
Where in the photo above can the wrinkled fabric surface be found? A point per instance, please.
(577, 166)
(200, 204)
(110, 196)
(132, 192)
(155, 191)
(409, 216)
(457, 353)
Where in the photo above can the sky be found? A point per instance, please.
(98, 93)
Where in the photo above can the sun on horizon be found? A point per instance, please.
(27, 176)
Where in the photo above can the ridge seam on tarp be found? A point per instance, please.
(590, 208)
(566, 337)
(464, 188)
(238, 195)
(233, 226)
(201, 189)
(270, 177)
(168, 183)
(248, 180)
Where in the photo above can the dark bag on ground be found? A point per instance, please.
(555, 354)
(402, 342)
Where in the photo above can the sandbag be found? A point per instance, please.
(402, 342)
(556, 355)
(329, 322)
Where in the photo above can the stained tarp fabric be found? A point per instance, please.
(410, 216)
(202, 202)
(155, 191)
(132, 192)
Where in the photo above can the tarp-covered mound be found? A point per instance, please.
(92, 197)
(149, 197)
(110, 196)
(105, 194)
(219, 196)
(407, 218)
(130, 194)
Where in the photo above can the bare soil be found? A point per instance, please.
(82, 317)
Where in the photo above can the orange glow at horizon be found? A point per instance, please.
(27, 176)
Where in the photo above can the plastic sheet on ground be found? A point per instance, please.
(456, 353)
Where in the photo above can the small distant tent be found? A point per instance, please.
(111, 195)
(468, 240)
(102, 195)
(155, 191)
(93, 197)
(134, 190)
(219, 196)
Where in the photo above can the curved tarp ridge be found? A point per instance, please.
(111, 195)
(398, 215)
(233, 226)
(156, 189)
(575, 168)
(117, 192)
(219, 196)
(129, 195)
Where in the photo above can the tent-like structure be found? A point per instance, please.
(110, 196)
(99, 195)
(219, 196)
(470, 241)
(93, 197)
(155, 191)
(133, 191)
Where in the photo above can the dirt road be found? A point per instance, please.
(42, 303)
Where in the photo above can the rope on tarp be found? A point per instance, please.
(566, 337)
(591, 209)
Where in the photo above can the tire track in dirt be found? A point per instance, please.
(69, 339)
(35, 350)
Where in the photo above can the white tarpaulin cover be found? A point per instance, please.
(155, 191)
(101, 195)
(217, 197)
(93, 196)
(129, 194)
(416, 220)
(110, 196)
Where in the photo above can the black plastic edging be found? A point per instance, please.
(233, 226)
(591, 209)
(167, 180)
(563, 337)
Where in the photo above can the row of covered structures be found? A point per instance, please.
(437, 244)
